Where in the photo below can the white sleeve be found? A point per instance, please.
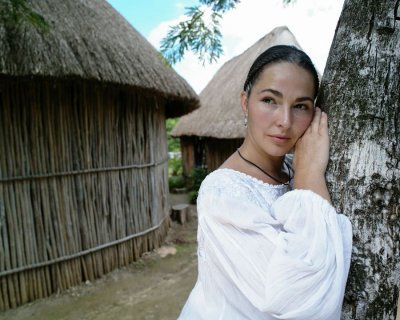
(289, 262)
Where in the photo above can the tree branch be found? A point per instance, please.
(199, 33)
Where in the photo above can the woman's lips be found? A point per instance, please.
(280, 139)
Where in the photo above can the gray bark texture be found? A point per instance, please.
(361, 94)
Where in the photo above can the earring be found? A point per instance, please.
(245, 120)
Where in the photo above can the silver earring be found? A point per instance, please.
(245, 120)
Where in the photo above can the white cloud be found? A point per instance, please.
(161, 30)
(312, 22)
(179, 5)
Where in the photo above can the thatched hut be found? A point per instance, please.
(83, 151)
(211, 133)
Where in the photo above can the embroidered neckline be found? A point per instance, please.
(247, 176)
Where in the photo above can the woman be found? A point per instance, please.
(270, 245)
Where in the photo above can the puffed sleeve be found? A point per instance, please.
(290, 261)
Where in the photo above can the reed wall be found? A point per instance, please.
(210, 152)
(187, 154)
(218, 150)
(83, 183)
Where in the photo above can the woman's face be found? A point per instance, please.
(280, 108)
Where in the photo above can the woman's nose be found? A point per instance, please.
(284, 117)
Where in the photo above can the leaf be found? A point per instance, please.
(197, 34)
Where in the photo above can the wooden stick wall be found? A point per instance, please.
(218, 150)
(69, 183)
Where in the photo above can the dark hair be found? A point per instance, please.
(280, 53)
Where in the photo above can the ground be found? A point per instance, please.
(155, 287)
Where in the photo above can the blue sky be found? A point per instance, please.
(312, 22)
(146, 15)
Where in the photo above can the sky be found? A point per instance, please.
(312, 22)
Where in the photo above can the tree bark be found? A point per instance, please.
(361, 93)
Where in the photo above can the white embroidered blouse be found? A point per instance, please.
(265, 252)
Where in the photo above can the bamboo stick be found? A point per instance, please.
(5, 296)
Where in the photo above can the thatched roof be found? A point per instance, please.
(220, 114)
(89, 39)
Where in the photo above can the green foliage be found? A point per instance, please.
(173, 143)
(176, 182)
(198, 35)
(175, 170)
(15, 13)
(196, 177)
(175, 174)
(193, 196)
(175, 167)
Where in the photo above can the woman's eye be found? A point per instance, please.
(268, 100)
(301, 106)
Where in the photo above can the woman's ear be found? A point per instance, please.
(244, 101)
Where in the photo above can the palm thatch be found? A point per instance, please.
(90, 40)
(220, 115)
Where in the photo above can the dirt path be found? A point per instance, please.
(155, 287)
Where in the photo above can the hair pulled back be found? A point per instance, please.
(276, 54)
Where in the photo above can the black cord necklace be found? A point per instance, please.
(265, 172)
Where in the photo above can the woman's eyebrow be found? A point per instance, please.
(279, 94)
(275, 92)
(304, 99)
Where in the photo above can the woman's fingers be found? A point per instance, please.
(319, 123)
(314, 127)
(312, 149)
(323, 124)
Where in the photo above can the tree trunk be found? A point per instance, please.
(360, 91)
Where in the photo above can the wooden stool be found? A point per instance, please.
(180, 213)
